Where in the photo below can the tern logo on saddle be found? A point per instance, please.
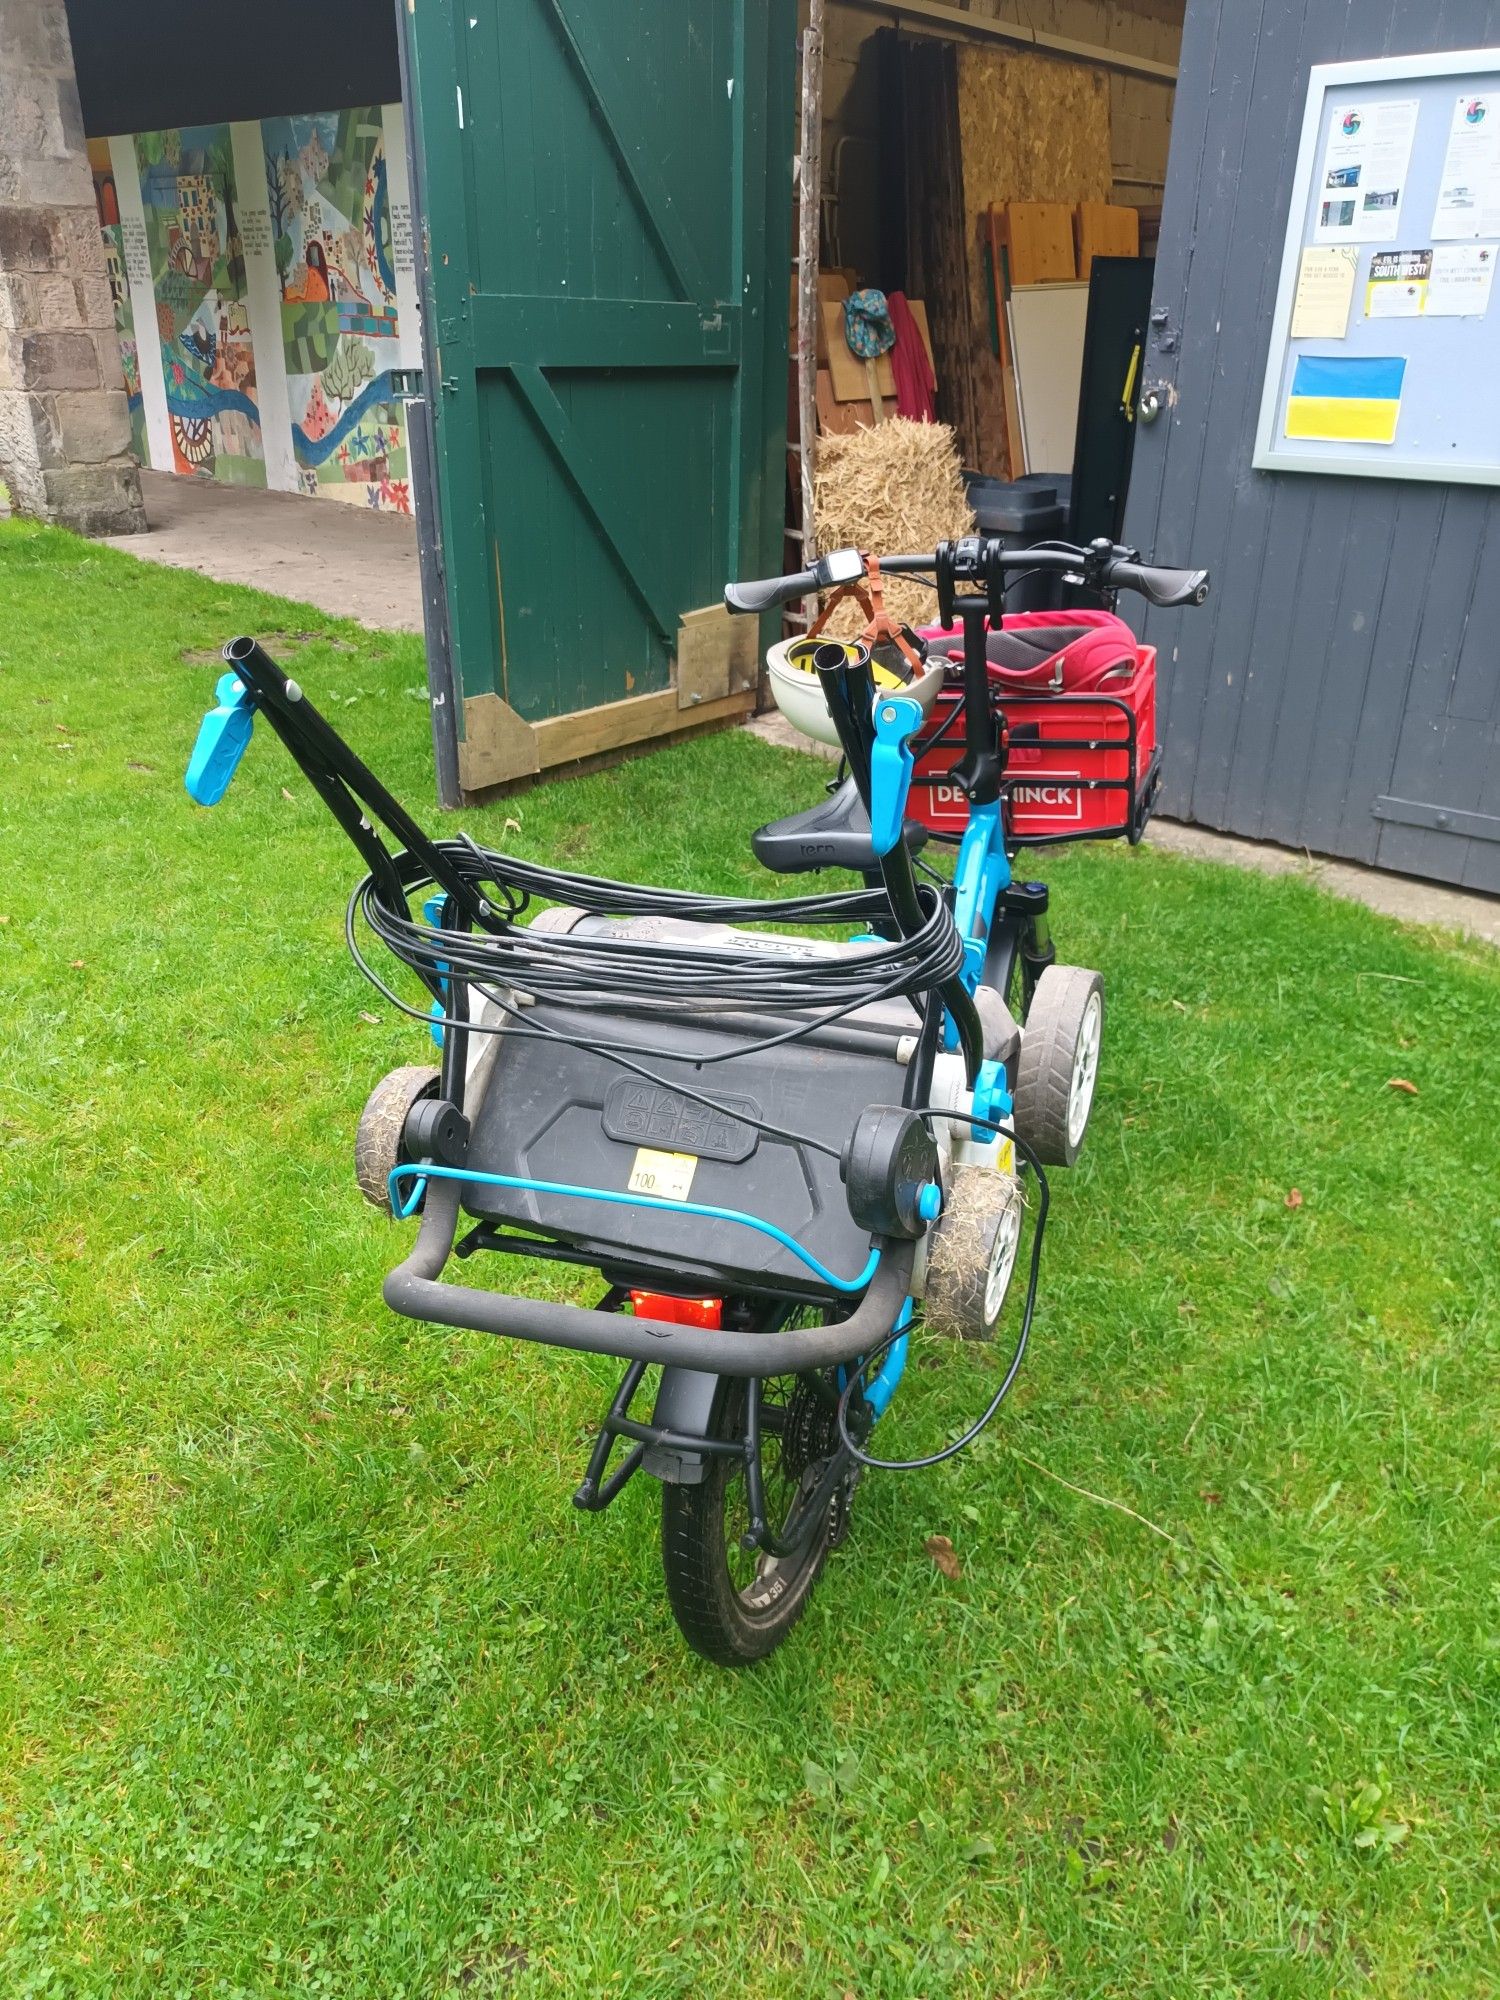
(647, 1114)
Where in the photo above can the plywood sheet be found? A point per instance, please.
(1104, 230)
(1032, 128)
(1046, 331)
(836, 418)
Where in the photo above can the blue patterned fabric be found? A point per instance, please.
(867, 325)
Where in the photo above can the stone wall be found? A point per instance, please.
(64, 424)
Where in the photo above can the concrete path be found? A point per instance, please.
(347, 560)
(1403, 896)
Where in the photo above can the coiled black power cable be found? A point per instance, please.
(591, 972)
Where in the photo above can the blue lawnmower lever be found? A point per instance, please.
(223, 738)
(897, 719)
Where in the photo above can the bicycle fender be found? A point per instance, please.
(684, 1403)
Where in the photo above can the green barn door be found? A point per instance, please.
(608, 202)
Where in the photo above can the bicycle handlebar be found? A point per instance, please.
(769, 591)
(1163, 587)
(1103, 566)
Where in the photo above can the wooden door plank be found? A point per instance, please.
(588, 481)
(601, 333)
(614, 102)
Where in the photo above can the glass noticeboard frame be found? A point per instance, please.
(1384, 357)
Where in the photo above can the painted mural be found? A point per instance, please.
(328, 197)
(264, 289)
(197, 259)
(107, 199)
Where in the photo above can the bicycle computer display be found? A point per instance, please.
(840, 566)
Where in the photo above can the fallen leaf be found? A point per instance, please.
(370, 1020)
(1180, 1005)
(77, 964)
(132, 765)
(290, 797)
(941, 1550)
(1404, 1084)
(4, 920)
(1294, 1198)
(1210, 1498)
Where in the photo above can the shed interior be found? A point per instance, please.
(969, 158)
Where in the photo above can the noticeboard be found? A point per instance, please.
(1385, 343)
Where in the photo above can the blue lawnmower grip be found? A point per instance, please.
(223, 738)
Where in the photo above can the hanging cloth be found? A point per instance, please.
(916, 385)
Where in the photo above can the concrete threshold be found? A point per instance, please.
(350, 561)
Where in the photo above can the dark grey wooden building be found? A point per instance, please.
(1341, 691)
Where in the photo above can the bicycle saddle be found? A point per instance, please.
(835, 833)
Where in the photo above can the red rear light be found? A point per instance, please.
(682, 1312)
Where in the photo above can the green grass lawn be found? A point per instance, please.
(311, 1680)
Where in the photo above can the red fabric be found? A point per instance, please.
(915, 381)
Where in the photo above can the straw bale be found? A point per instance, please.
(892, 487)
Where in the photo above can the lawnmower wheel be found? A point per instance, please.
(1059, 1062)
(971, 1254)
(377, 1142)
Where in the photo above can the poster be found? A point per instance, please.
(1468, 203)
(1397, 284)
(1366, 159)
(1325, 293)
(1462, 274)
(1346, 398)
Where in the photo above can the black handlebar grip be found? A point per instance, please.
(1164, 587)
(762, 593)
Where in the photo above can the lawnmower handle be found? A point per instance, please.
(763, 593)
(414, 1290)
(1163, 587)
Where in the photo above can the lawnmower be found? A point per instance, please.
(786, 1155)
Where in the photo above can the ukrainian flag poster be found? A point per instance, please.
(1347, 398)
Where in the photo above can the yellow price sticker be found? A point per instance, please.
(668, 1176)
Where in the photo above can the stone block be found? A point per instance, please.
(95, 302)
(107, 348)
(16, 308)
(96, 499)
(44, 430)
(19, 466)
(70, 115)
(60, 360)
(31, 239)
(54, 302)
(90, 425)
(30, 115)
(60, 182)
(34, 33)
(82, 247)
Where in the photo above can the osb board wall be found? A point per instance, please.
(1032, 128)
(1140, 108)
